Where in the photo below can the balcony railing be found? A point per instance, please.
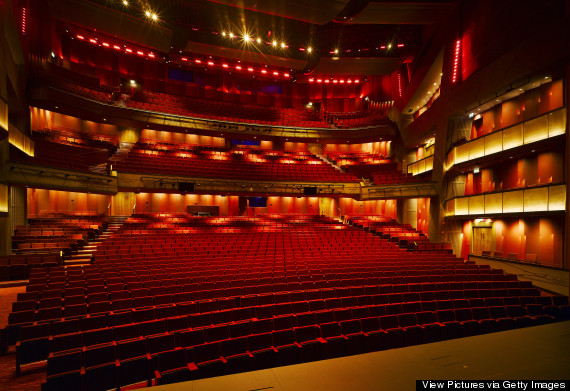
(421, 166)
(549, 198)
(544, 127)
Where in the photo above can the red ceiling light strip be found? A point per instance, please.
(95, 41)
(457, 56)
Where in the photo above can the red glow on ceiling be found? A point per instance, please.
(184, 59)
(263, 71)
(238, 67)
(128, 50)
(105, 44)
(225, 65)
(210, 63)
(250, 69)
(80, 37)
(198, 61)
(93, 40)
(116, 47)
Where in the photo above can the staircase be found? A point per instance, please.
(99, 169)
(121, 152)
(324, 159)
(85, 255)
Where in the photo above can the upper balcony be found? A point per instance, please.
(546, 126)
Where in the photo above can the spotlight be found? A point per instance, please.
(223, 34)
(274, 43)
(258, 40)
(309, 49)
(336, 51)
(389, 46)
(231, 35)
(154, 16)
(283, 45)
(246, 37)
(125, 3)
(147, 14)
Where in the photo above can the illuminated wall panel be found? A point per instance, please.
(450, 158)
(3, 198)
(557, 198)
(493, 203)
(513, 201)
(462, 153)
(3, 114)
(421, 166)
(477, 205)
(513, 137)
(476, 148)
(493, 143)
(556, 123)
(536, 200)
(462, 206)
(450, 208)
(536, 129)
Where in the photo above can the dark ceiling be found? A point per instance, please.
(388, 32)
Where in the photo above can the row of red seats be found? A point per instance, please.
(184, 304)
(71, 136)
(260, 165)
(18, 267)
(223, 311)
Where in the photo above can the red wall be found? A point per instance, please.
(541, 236)
(40, 200)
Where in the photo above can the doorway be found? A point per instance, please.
(482, 240)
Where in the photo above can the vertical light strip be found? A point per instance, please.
(23, 26)
(399, 85)
(457, 56)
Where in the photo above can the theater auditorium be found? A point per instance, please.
(283, 194)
